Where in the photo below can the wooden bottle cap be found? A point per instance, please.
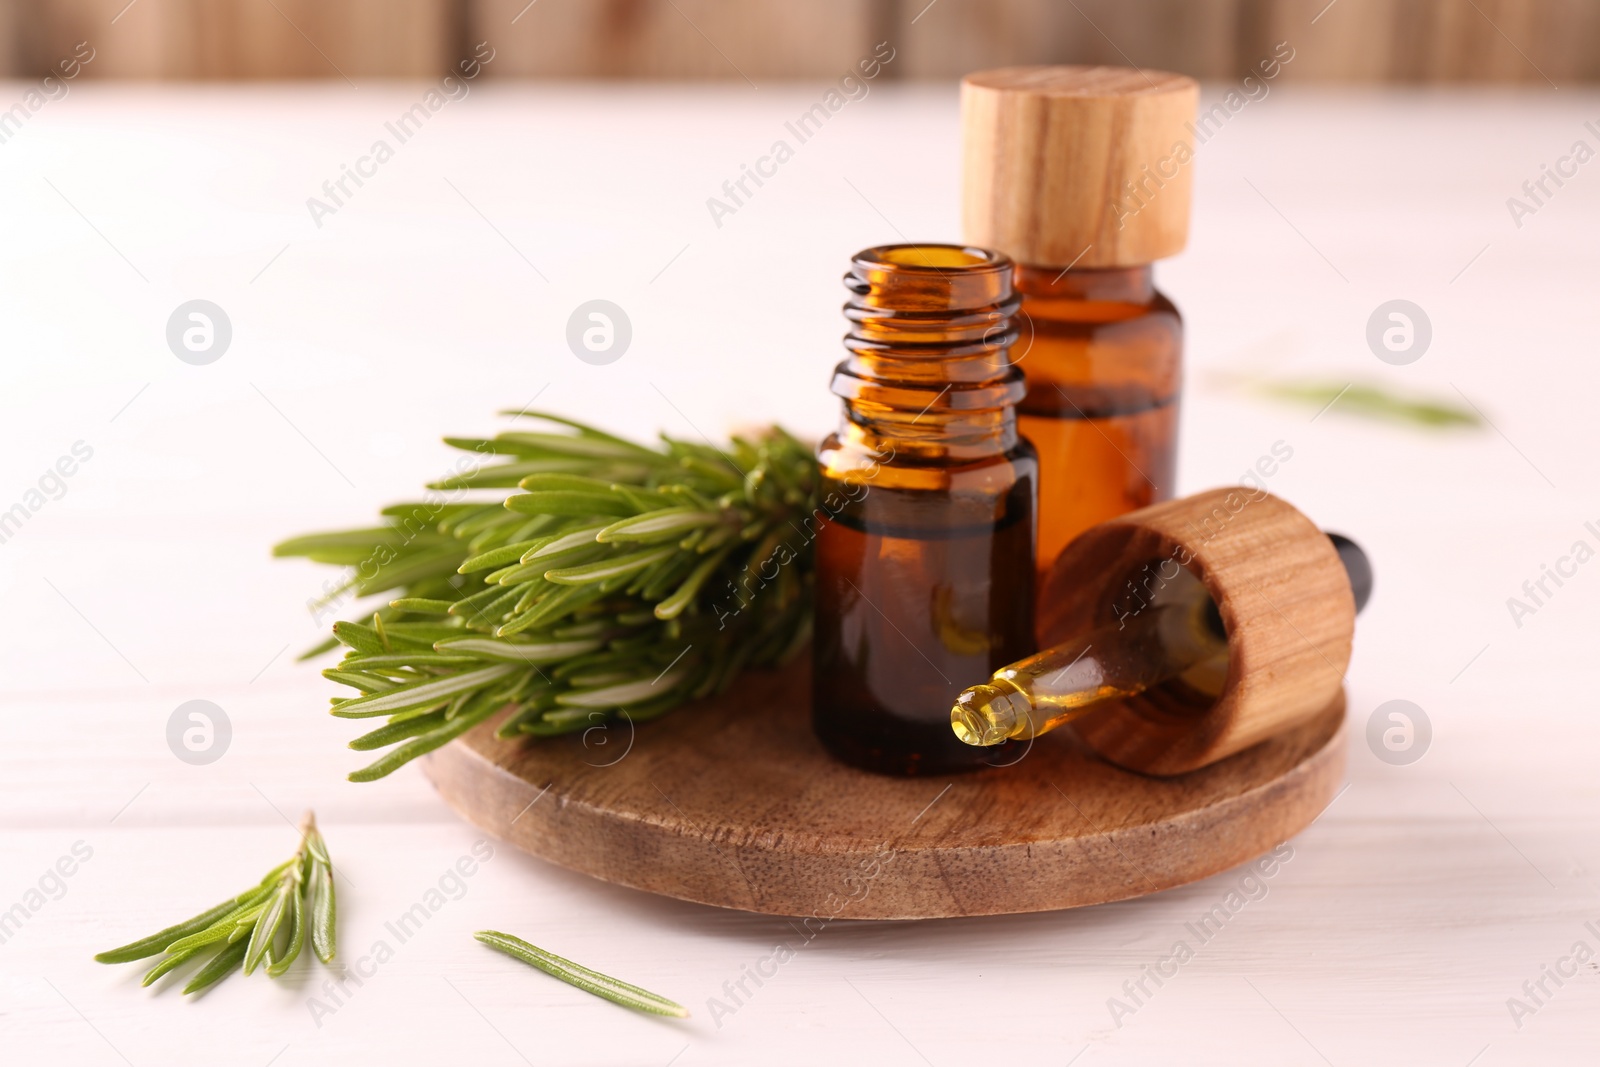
(1284, 598)
(1083, 166)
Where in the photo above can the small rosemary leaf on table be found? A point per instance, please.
(323, 912)
(590, 981)
(222, 964)
(158, 942)
(264, 926)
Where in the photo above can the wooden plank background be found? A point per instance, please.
(1418, 41)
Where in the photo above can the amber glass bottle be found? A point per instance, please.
(1104, 368)
(1082, 176)
(925, 538)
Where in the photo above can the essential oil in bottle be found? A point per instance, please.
(1082, 175)
(925, 539)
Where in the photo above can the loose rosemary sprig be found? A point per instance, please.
(266, 925)
(601, 985)
(619, 580)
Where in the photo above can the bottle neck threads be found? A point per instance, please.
(930, 371)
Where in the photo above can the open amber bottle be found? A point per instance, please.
(1082, 176)
(925, 545)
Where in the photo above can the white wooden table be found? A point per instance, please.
(439, 292)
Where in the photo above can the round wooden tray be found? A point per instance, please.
(734, 803)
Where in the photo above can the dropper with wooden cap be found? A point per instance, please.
(1082, 176)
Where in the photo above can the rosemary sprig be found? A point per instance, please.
(264, 926)
(619, 580)
(601, 985)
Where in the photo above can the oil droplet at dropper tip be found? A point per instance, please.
(986, 715)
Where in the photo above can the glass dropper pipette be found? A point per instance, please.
(1185, 637)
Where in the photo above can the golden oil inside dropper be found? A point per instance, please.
(1182, 637)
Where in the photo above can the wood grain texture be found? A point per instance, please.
(751, 41)
(219, 39)
(1283, 596)
(1422, 41)
(735, 804)
(1085, 166)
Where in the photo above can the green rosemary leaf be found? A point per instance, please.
(418, 746)
(323, 911)
(1373, 401)
(568, 502)
(665, 524)
(170, 962)
(507, 475)
(590, 981)
(158, 942)
(498, 557)
(562, 543)
(297, 936)
(633, 451)
(223, 927)
(608, 568)
(673, 606)
(337, 542)
(567, 482)
(565, 600)
(365, 682)
(568, 601)
(420, 694)
(593, 446)
(222, 964)
(422, 605)
(422, 564)
(396, 731)
(615, 696)
(264, 926)
(519, 651)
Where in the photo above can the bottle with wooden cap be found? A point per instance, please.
(1182, 633)
(1082, 176)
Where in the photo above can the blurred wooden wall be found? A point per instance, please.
(1526, 41)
